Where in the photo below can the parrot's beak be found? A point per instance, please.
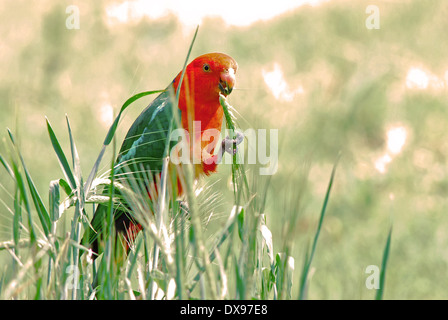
(227, 81)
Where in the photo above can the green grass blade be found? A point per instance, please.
(17, 215)
(53, 202)
(306, 269)
(75, 156)
(79, 184)
(304, 276)
(7, 167)
(42, 212)
(20, 185)
(37, 200)
(284, 268)
(133, 255)
(61, 157)
(179, 257)
(113, 128)
(197, 239)
(380, 291)
(65, 186)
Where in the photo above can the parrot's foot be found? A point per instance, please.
(184, 209)
(231, 145)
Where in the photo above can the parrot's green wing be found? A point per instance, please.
(143, 148)
(146, 140)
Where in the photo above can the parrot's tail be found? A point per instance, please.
(126, 228)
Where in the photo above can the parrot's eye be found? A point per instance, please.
(206, 67)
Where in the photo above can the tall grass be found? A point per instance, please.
(168, 261)
(171, 259)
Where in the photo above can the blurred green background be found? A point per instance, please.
(328, 83)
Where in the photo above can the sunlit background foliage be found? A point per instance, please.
(316, 73)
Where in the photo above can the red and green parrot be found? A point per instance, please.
(144, 146)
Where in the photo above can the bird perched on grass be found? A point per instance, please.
(145, 144)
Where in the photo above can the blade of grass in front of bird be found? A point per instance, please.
(308, 261)
(160, 219)
(133, 255)
(237, 166)
(107, 269)
(132, 261)
(197, 238)
(179, 226)
(111, 134)
(176, 121)
(380, 291)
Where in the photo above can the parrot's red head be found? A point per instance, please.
(205, 77)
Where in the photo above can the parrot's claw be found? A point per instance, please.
(230, 145)
(184, 208)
